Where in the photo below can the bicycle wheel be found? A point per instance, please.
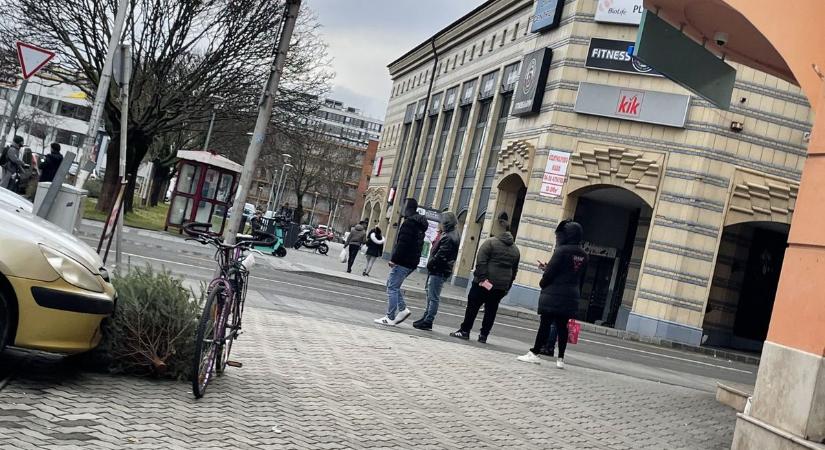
(232, 327)
(208, 340)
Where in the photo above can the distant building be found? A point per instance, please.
(50, 112)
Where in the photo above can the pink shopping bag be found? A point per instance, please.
(573, 330)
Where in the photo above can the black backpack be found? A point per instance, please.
(4, 156)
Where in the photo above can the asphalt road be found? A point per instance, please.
(354, 306)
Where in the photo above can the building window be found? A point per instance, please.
(503, 37)
(515, 32)
(83, 113)
(492, 42)
(67, 137)
(463, 57)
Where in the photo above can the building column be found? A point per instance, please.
(789, 399)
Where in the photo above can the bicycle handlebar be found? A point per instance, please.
(205, 236)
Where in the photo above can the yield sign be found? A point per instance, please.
(32, 58)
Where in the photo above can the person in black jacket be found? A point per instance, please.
(440, 266)
(375, 249)
(560, 292)
(405, 257)
(51, 163)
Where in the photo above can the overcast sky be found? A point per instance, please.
(366, 35)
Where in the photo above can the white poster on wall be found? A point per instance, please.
(555, 173)
(627, 12)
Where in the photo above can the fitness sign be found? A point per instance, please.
(614, 56)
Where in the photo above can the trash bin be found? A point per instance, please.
(67, 208)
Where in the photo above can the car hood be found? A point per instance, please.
(22, 225)
(15, 200)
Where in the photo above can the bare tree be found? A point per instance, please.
(340, 172)
(185, 54)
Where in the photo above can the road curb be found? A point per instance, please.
(505, 310)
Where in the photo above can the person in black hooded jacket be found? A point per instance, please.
(440, 266)
(560, 292)
(405, 257)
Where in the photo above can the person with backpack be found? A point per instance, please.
(51, 163)
(560, 292)
(375, 248)
(405, 257)
(440, 266)
(496, 268)
(11, 163)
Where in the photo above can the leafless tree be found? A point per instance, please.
(341, 175)
(185, 54)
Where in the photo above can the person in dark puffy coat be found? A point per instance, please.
(560, 292)
(440, 266)
(51, 163)
(496, 268)
(405, 257)
(375, 249)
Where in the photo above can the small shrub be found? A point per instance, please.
(153, 330)
(94, 186)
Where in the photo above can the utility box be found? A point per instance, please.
(67, 209)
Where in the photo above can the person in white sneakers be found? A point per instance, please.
(560, 293)
(405, 257)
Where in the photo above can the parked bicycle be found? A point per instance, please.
(220, 321)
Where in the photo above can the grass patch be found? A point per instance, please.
(149, 218)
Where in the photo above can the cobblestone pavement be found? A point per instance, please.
(314, 383)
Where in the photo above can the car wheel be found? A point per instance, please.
(4, 321)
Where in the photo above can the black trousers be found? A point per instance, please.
(547, 320)
(477, 297)
(353, 252)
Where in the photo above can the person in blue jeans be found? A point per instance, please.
(440, 266)
(405, 257)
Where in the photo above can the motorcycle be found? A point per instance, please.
(309, 239)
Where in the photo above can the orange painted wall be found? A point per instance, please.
(795, 28)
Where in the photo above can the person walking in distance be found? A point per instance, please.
(440, 266)
(560, 293)
(496, 269)
(51, 163)
(356, 238)
(375, 248)
(11, 163)
(404, 260)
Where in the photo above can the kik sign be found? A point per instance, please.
(654, 107)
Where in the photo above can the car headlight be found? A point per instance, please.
(70, 270)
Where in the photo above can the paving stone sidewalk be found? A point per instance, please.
(310, 383)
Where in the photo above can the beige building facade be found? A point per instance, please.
(686, 207)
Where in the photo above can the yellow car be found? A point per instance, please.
(54, 291)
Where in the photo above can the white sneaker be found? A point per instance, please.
(402, 316)
(384, 321)
(560, 363)
(530, 357)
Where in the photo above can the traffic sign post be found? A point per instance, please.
(32, 58)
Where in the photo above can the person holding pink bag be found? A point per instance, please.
(560, 293)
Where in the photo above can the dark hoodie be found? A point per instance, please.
(497, 262)
(560, 283)
(357, 235)
(445, 251)
(408, 246)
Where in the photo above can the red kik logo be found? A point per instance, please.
(630, 103)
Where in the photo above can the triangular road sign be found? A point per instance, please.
(32, 58)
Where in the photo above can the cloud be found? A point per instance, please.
(366, 35)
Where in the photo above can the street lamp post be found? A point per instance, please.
(271, 191)
(312, 212)
(284, 168)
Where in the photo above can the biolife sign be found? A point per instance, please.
(654, 107)
(628, 12)
(608, 54)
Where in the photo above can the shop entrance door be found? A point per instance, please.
(596, 287)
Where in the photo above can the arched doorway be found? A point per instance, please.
(511, 194)
(745, 282)
(375, 215)
(616, 223)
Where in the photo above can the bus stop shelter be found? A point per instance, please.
(204, 189)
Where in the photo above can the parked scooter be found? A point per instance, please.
(275, 226)
(311, 240)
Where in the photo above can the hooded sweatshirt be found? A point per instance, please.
(497, 261)
(407, 250)
(357, 235)
(445, 251)
(563, 275)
